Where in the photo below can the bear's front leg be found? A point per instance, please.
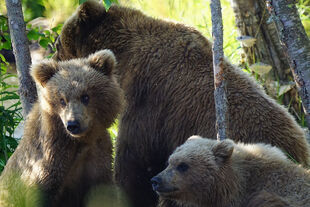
(133, 178)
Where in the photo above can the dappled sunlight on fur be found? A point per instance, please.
(262, 150)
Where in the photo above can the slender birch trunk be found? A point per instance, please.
(27, 88)
(219, 77)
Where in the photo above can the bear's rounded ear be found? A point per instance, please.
(43, 71)
(223, 150)
(103, 61)
(194, 137)
(90, 10)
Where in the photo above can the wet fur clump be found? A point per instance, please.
(204, 172)
(66, 149)
(165, 70)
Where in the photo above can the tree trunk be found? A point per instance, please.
(27, 88)
(253, 19)
(296, 45)
(219, 78)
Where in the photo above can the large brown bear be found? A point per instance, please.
(66, 149)
(165, 70)
(205, 172)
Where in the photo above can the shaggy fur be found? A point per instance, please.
(205, 172)
(64, 165)
(266, 199)
(165, 70)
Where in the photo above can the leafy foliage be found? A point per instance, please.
(304, 12)
(46, 38)
(5, 39)
(107, 3)
(10, 106)
(33, 9)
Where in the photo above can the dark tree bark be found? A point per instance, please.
(27, 88)
(219, 78)
(253, 19)
(296, 45)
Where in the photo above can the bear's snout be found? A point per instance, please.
(74, 127)
(162, 186)
(156, 182)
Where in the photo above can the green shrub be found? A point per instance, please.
(10, 106)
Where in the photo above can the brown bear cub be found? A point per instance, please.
(205, 172)
(66, 149)
(165, 70)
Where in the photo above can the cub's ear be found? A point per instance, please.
(43, 71)
(90, 10)
(223, 150)
(194, 137)
(103, 61)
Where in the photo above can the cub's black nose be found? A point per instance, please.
(156, 182)
(73, 127)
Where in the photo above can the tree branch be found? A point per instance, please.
(27, 88)
(219, 78)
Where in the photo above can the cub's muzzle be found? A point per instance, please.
(74, 127)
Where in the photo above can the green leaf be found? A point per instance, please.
(15, 105)
(82, 1)
(8, 76)
(50, 55)
(33, 35)
(3, 59)
(12, 143)
(6, 45)
(57, 29)
(9, 97)
(47, 32)
(44, 42)
(2, 163)
(7, 37)
(3, 68)
(107, 3)
(3, 23)
(6, 95)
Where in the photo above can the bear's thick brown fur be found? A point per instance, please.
(205, 172)
(165, 70)
(66, 148)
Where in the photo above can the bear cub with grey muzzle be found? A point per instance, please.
(66, 150)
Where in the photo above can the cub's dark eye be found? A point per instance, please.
(85, 99)
(182, 167)
(62, 102)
